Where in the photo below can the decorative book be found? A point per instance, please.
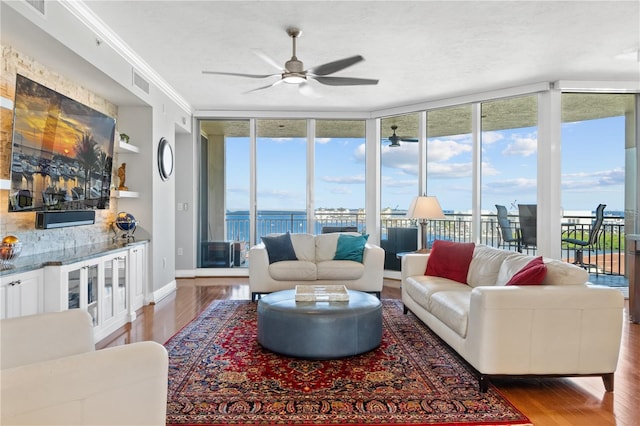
(321, 293)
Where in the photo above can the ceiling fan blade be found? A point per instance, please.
(409, 140)
(335, 66)
(268, 60)
(264, 87)
(239, 74)
(344, 81)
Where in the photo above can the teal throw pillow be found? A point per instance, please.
(350, 247)
(279, 248)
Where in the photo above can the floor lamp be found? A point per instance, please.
(424, 208)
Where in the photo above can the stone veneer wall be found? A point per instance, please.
(21, 224)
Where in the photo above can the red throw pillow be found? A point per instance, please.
(450, 260)
(532, 273)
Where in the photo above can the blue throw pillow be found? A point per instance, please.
(279, 248)
(350, 247)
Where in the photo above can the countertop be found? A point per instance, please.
(69, 255)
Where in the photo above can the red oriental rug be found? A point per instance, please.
(219, 374)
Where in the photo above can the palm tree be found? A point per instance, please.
(87, 154)
(103, 166)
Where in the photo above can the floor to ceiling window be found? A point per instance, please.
(224, 193)
(304, 182)
(399, 184)
(399, 168)
(449, 171)
(281, 176)
(509, 141)
(597, 135)
(339, 181)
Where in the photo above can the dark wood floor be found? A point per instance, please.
(570, 401)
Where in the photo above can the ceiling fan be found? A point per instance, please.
(395, 139)
(294, 72)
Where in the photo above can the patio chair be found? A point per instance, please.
(528, 214)
(508, 235)
(592, 241)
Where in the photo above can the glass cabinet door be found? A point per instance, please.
(121, 292)
(92, 292)
(74, 278)
(107, 295)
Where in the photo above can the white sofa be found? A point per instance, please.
(315, 266)
(51, 375)
(564, 327)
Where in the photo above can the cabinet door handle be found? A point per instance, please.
(16, 282)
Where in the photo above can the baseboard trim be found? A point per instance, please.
(163, 292)
(212, 272)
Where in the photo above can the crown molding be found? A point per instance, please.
(106, 35)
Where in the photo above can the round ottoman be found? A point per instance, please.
(319, 330)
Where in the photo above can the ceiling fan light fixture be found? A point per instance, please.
(294, 78)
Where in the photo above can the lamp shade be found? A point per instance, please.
(424, 207)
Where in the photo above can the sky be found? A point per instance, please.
(593, 161)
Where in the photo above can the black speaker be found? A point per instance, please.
(60, 219)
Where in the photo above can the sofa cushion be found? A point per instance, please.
(293, 270)
(326, 245)
(452, 308)
(339, 270)
(304, 246)
(532, 273)
(558, 272)
(485, 265)
(563, 273)
(350, 247)
(511, 266)
(451, 260)
(279, 247)
(421, 287)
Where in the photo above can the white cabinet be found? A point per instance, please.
(138, 276)
(99, 286)
(21, 294)
(110, 286)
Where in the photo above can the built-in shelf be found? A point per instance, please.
(124, 194)
(127, 147)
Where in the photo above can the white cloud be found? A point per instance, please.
(323, 141)
(491, 137)
(449, 170)
(523, 146)
(517, 185)
(443, 150)
(390, 182)
(590, 180)
(344, 179)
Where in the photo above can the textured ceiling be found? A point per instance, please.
(419, 50)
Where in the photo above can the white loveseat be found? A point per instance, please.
(51, 375)
(315, 266)
(564, 327)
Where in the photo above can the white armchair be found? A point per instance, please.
(51, 375)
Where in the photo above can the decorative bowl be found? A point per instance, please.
(10, 248)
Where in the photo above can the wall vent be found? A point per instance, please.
(37, 5)
(140, 82)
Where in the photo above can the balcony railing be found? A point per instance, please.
(608, 256)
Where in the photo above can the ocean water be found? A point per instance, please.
(280, 221)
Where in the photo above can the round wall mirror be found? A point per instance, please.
(165, 159)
